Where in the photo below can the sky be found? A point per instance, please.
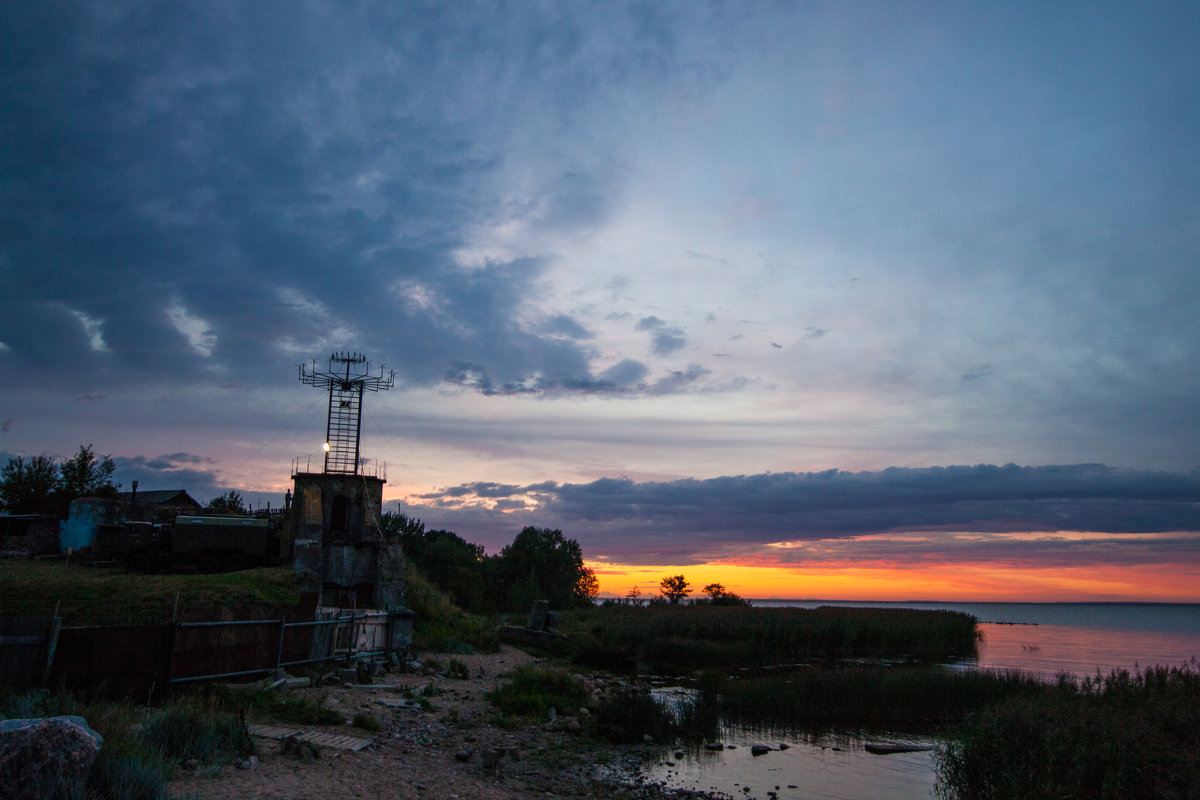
(841, 300)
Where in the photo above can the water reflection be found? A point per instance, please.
(1048, 649)
(832, 767)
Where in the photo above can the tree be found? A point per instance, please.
(542, 564)
(719, 597)
(674, 588)
(29, 487)
(86, 475)
(229, 503)
(633, 596)
(43, 486)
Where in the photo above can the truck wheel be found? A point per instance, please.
(209, 562)
(235, 562)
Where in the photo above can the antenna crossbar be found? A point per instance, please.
(347, 377)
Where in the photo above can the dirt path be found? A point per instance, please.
(446, 749)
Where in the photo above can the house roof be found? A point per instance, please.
(161, 497)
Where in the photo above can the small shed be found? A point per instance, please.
(28, 534)
(158, 505)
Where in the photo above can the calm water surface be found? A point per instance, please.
(1044, 638)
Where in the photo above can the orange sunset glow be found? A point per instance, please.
(882, 581)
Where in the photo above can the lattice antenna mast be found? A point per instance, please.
(346, 379)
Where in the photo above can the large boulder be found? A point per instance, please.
(38, 754)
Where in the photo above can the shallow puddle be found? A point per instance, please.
(820, 768)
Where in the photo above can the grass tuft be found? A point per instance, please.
(367, 722)
(532, 691)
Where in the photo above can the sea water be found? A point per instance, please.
(1043, 638)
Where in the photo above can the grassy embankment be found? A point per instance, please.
(86, 595)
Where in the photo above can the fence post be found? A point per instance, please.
(279, 651)
(350, 643)
(170, 659)
(51, 646)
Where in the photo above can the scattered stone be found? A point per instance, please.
(714, 746)
(396, 702)
(783, 746)
(464, 755)
(304, 751)
(248, 763)
(490, 757)
(39, 753)
(759, 750)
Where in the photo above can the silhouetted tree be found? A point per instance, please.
(87, 475)
(719, 597)
(29, 487)
(459, 568)
(674, 588)
(229, 503)
(43, 486)
(542, 564)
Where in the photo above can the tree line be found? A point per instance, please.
(43, 485)
(674, 590)
(539, 564)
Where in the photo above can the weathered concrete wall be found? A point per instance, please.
(336, 507)
(337, 540)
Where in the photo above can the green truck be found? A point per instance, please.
(202, 543)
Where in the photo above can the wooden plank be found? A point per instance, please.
(334, 740)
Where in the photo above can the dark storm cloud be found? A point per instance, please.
(200, 188)
(690, 519)
(563, 325)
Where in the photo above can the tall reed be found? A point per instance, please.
(897, 697)
(681, 639)
(1124, 735)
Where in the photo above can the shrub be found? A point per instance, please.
(532, 691)
(629, 713)
(193, 726)
(367, 722)
(275, 704)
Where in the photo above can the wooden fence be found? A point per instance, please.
(140, 661)
(27, 646)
